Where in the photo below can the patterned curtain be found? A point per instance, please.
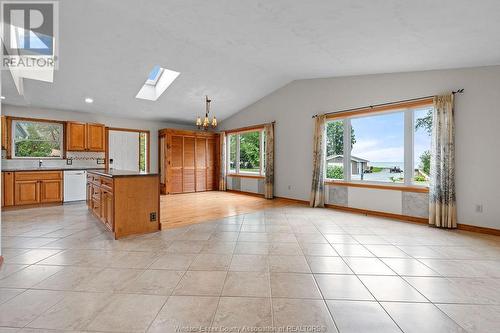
(269, 167)
(222, 165)
(318, 183)
(442, 205)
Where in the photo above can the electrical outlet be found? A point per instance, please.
(479, 208)
(101, 161)
(152, 217)
(69, 161)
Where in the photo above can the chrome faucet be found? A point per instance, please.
(40, 162)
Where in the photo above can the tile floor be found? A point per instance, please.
(295, 267)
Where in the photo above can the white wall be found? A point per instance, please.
(152, 126)
(477, 127)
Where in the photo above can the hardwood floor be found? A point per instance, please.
(190, 208)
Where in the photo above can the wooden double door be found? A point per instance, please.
(189, 160)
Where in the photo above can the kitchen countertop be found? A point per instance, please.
(50, 168)
(113, 173)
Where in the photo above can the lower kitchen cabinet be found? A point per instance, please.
(100, 199)
(32, 187)
(7, 189)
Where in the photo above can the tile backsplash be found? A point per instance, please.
(78, 159)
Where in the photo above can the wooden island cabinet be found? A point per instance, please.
(126, 202)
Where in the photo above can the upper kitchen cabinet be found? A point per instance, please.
(5, 138)
(85, 137)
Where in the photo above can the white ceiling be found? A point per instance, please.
(239, 51)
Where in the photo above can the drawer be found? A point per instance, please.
(37, 175)
(107, 183)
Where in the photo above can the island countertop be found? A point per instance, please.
(114, 173)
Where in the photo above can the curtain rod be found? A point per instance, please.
(459, 91)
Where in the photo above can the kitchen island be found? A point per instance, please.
(126, 202)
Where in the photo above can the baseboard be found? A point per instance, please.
(405, 218)
(246, 193)
(481, 230)
(297, 201)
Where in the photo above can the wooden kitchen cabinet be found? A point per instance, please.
(37, 187)
(107, 208)
(85, 137)
(5, 137)
(7, 189)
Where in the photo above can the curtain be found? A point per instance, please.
(269, 163)
(442, 201)
(222, 162)
(317, 198)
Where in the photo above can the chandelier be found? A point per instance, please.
(206, 123)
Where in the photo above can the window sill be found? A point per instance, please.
(394, 187)
(241, 175)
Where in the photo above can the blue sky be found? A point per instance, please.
(381, 138)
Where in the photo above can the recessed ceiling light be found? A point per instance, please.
(89, 100)
(2, 97)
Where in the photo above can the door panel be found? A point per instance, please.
(51, 191)
(189, 164)
(124, 150)
(76, 136)
(201, 172)
(211, 164)
(174, 164)
(27, 192)
(95, 137)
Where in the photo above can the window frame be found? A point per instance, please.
(408, 110)
(12, 125)
(236, 171)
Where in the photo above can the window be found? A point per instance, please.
(422, 146)
(246, 153)
(381, 146)
(143, 151)
(36, 139)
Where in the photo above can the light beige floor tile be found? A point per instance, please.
(8, 269)
(333, 265)
(386, 251)
(258, 248)
(294, 285)
(288, 264)
(361, 316)
(340, 238)
(153, 282)
(409, 267)
(211, 262)
(352, 250)
(298, 313)
(243, 312)
(109, 280)
(260, 237)
(285, 249)
(29, 276)
(250, 284)
(69, 278)
(20, 310)
(474, 318)
(185, 247)
(420, 317)
(132, 313)
(342, 287)
(32, 256)
(391, 288)
(224, 236)
(201, 283)
(420, 251)
(315, 249)
(370, 266)
(185, 311)
(175, 262)
(74, 312)
(9, 293)
(134, 260)
(217, 247)
(249, 263)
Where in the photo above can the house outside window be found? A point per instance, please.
(37, 139)
(380, 147)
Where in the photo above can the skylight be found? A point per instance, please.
(158, 80)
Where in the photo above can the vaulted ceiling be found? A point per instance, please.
(239, 51)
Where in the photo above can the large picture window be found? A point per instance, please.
(246, 152)
(36, 139)
(390, 147)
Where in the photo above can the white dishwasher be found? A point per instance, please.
(75, 185)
